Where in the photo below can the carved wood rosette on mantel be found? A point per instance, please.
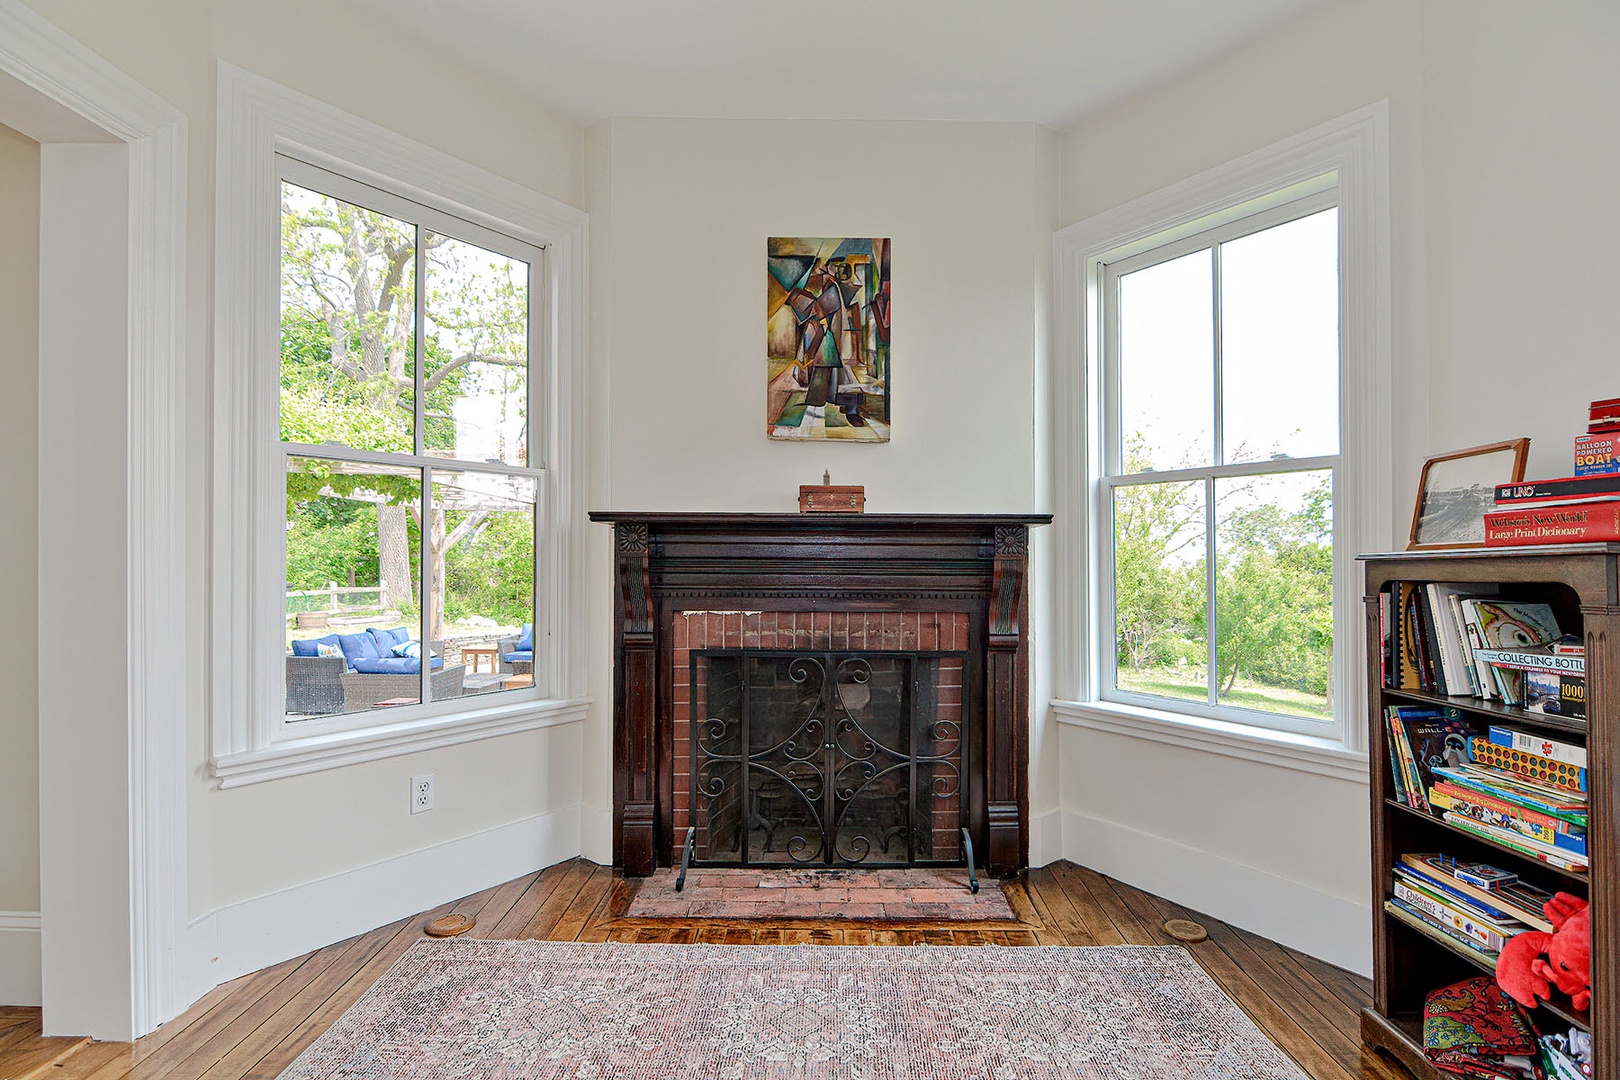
(688, 584)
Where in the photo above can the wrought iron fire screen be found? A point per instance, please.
(828, 758)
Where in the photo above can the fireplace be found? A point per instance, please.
(820, 690)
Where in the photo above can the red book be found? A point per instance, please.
(1573, 524)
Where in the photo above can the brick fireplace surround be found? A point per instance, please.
(827, 583)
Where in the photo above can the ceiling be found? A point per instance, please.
(1048, 61)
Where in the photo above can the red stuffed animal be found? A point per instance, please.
(1533, 962)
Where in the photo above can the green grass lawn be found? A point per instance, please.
(1189, 686)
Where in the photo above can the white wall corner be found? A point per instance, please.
(19, 958)
(265, 930)
(1331, 928)
(1045, 838)
(596, 834)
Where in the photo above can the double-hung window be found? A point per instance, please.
(409, 441)
(1220, 460)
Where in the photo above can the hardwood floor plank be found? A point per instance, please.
(1059, 911)
(501, 904)
(557, 904)
(577, 914)
(1124, 920)
(95, 1061)
(31, 1060)
(529, 903)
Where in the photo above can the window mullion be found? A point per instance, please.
(1212, 669)
(1216, 355)
(419, 335)
(424, 610)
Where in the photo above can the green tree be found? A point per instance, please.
(348, 370)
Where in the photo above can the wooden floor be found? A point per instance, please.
(255, 1026)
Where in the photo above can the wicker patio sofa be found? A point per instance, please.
(319, 685)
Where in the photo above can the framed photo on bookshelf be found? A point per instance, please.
(1456, 490)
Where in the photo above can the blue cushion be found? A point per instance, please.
(387, 639)
(410, 648)
(394, 665)
(521, 654)
(308, 646)
(358, 647)
(525, 642)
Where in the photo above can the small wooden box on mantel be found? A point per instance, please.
(832, 498)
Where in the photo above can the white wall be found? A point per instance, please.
(681, 210)
(1504, 152)
(344, 835)
(84, 713)
(19, 550)
(1522, 154)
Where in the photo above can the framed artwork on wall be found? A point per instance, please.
(1456, 490)
(827, 338)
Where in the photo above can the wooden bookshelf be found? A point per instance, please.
(1582, 584)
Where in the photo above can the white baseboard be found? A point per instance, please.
(596, 834)
(1319, 924)
(19, 958)
(266, 930)
(1046, 838)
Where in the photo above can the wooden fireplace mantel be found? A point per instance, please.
(975, 564)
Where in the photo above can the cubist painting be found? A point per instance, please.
(827, 334)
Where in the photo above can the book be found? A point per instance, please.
(1555, 694)
(1452, 898)
(1435, 737)
(1541, 658)
(1517, 788)
(1500, 814)
(1566, 860)
(1413, 781)
(1539, 745)
(1407, 671)
(1595, 455)
(1481, 933)
(1476, 641)
(1397, 766)
(1450, 938)
(1510, 624)
(1575, 524)
(1527, 492)
(1519, 900)
(1557, 774)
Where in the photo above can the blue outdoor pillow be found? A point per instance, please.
(526, 638)
(409, 648)
(358, 647)
(310, 646)
(387, 639)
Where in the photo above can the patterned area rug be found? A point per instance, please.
(915, 894)
(537, 1010)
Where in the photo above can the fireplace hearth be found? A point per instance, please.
(807, 691)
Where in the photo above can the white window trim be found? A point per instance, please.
(1351, 156)
(257, 121)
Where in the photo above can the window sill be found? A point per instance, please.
(1304, 753)
(332, 751)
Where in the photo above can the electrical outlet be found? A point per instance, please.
(421, 793)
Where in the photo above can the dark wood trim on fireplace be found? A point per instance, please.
(669, 562)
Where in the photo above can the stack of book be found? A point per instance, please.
(1473, 907)
(1435, 638)
(1567, 510)
(1522, 791)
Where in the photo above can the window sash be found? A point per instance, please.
(423, 218)
(1114, 477)
(426, 218)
